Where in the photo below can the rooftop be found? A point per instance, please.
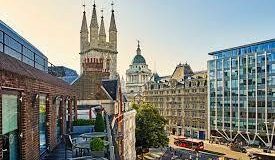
(242, 46)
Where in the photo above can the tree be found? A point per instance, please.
(99, 123)
(150, 127)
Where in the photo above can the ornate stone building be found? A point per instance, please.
(182, 99)
(136, 76)
(94, 45)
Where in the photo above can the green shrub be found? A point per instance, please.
(83, 122)
(99, 123)
(97, 144)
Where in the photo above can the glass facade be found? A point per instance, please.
(16, 46)
(242, 88)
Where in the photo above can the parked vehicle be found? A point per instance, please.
(238, 148)
(189, 143)
(267, 150)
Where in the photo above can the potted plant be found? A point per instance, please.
(99, 123)
(97, 147)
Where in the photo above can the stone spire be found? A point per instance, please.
(113, 22)
(94, 28)
(113, 31)
(138, 49)
(84, 33)
(102, 34)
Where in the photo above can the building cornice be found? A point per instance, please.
(99, 50)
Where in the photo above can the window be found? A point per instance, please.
(1, 36)
(11, 43)
(42, 122)
(273, 68)
(1, 47)
(10, 126)
(58, 119)
(12, 53)
(273, 56)
(28, 56)
(9, 115)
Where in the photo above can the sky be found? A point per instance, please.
(170, 31)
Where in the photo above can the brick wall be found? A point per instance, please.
(29, 111)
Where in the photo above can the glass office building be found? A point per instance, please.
(16, 46)
(241, 93)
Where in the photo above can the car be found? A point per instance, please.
(267, 150)
(238, 148)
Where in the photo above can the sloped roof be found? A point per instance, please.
(88, 86)
(10, 64)
(111, 86)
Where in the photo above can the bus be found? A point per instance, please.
(194, 144)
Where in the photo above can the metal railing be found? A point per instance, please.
(32, 59)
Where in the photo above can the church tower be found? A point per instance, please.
(98, 47)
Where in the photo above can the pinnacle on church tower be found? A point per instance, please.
(113, 30)
(84, 33)
(94, 28)
(102, 34)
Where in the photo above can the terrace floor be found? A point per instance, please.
(58, 153)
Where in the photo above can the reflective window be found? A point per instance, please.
(12, 44)
(1, 47)
(58, 120)
(273, 68)
(273, 56)
(42, 122)
(10, 126)
(1, 36)
(9, 117)
(28, 53)
(12, 53)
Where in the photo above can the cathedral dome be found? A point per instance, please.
(139, 59)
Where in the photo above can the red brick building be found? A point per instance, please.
(35, 110)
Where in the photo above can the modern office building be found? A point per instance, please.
(13, 44)
(241, 93)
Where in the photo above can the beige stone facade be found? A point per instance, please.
(182, 99)
(129, 139)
